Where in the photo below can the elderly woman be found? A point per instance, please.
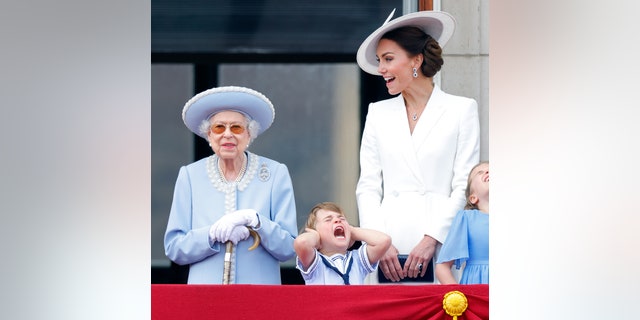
(417, 147)
(218, 200)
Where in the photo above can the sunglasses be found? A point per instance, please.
(221, 128)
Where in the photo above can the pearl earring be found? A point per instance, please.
(415, 72)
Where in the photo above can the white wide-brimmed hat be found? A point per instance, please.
(231, 98)
(438, 24)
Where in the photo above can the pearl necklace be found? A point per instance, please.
(240, 174)
(221, 184)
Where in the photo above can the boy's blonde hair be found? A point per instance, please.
(329, 206)
(467, 192)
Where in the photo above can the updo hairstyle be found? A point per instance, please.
(415, 41)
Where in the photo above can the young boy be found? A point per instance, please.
(322, 255)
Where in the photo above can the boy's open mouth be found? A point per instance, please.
(338, 232)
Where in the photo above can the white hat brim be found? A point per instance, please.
(231, 98)
(438, 24)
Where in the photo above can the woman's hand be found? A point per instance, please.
(390, 265)
(420, 256)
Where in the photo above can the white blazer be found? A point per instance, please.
(413, 184)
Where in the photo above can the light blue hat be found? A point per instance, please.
(231, 98)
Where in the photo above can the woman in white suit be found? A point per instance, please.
(418, 147)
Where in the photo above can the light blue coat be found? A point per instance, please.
(198, 203)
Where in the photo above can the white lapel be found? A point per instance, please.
(430, 116)
(398, 119)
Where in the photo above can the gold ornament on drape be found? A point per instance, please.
(454, 303)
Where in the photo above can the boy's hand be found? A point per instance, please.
(352, 230)
(315, 235)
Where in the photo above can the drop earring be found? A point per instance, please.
(415, 72)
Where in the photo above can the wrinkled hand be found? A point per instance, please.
(222, 229)
(238, 234)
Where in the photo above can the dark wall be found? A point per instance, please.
(265, 26)
(207, 33)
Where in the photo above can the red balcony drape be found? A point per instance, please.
(313, 302)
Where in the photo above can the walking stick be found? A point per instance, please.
(227, 262)
(226, 275)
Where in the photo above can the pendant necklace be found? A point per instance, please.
(414, 116)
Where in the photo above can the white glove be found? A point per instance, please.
(238, 234)
(249, 217)
(214, 231)
(221, 230)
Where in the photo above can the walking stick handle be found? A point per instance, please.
(256, 239)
